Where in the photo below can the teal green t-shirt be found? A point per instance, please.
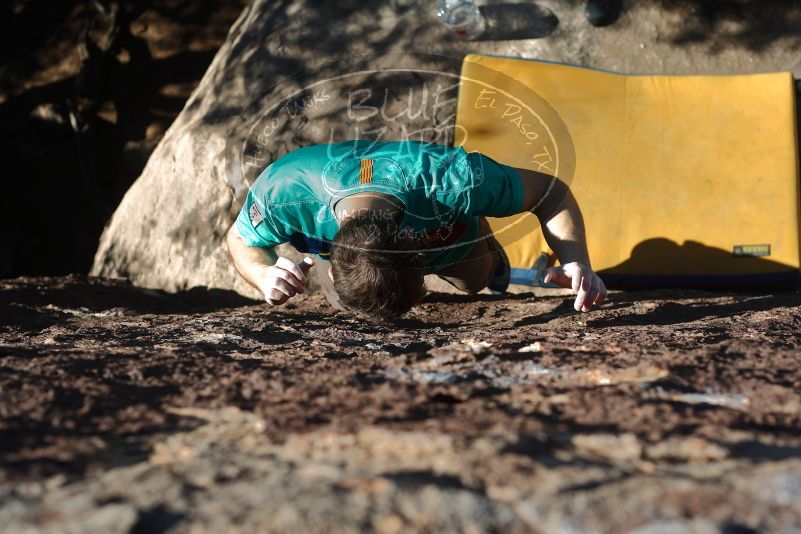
(443, 189)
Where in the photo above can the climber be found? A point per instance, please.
(381, 215)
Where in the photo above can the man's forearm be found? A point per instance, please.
(249, 261)
(563, 225)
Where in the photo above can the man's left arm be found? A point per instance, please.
(562, 224)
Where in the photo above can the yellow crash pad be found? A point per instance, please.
(682, 180)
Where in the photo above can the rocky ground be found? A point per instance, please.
(123, 409)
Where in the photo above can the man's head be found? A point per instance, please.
(375, 272)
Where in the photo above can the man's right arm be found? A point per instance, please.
(551, 200)
(277, 278)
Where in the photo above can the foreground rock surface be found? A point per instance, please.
(167, 232)
(124, 409)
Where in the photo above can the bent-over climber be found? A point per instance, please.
(381, 215)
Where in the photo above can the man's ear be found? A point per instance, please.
(331, 273)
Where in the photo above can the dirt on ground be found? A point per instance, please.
(125, 409)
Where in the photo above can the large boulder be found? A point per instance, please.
(296, 72)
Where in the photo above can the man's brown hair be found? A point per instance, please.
(376, 273)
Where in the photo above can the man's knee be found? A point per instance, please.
(474, 286)
(473, 275)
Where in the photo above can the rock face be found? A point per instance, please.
(125, 409)
(294, 73)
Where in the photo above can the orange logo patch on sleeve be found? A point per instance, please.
(366, 171)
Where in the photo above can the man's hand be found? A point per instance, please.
(590, 288)
(282, 281)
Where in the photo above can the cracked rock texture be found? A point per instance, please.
(132, 410)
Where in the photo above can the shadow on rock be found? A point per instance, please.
(517, 21)
(726, 24)
(99, 295)
(677, 313)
